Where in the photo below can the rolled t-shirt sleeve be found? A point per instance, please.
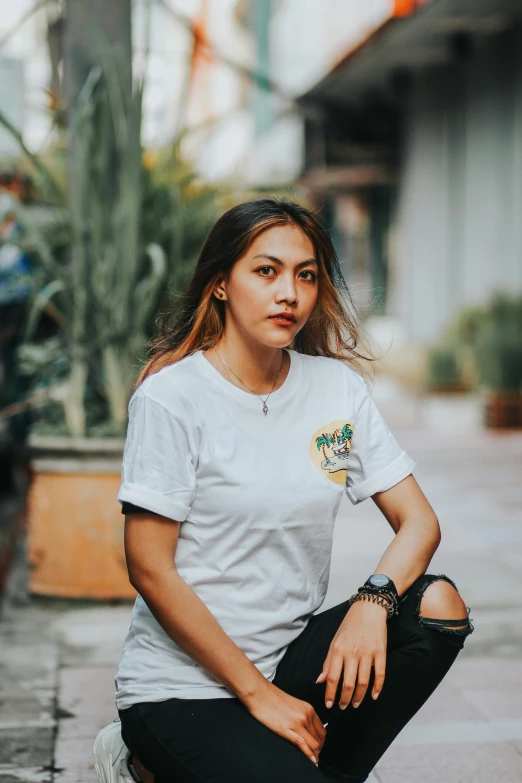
(377, 462)
(157, 470)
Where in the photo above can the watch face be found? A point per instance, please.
(379, 580)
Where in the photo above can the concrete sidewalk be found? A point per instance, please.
(58, 659)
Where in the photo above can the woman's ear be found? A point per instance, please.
(220, 291)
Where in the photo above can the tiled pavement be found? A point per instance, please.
(58, 660)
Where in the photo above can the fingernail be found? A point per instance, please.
(356, 703)
(343, 706)
(329, 704)
(376, 694)
(317, 679)
(314, 759)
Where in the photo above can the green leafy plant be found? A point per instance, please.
(444, 370)
(101, 287)
(112, 249)
(491, 336)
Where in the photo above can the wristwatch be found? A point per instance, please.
(379, 588)
(381, 583)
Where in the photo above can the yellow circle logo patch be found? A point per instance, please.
(330, 447)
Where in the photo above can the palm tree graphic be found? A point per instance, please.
(338, 437)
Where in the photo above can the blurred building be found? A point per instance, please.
(296, 43)
(414, 138)
(400, 118)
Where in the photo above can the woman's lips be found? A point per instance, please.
(281, 320)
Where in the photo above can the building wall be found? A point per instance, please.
(459, 234)
(305, 42)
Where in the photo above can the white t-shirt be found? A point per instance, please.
(256, 495)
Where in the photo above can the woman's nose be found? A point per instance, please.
(287, 290)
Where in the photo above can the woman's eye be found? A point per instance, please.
(266, 270)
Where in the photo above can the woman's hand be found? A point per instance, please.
(291, 718)
(359, 643)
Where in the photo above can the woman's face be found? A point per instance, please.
(278, 274)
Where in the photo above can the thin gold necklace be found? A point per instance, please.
(265, 407)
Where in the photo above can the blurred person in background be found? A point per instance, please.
(247, 425)
(15, 289)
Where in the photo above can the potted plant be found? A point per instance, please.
(498, 354)
(99, 277)
(491, 335)
(444, 370)
(100, 291)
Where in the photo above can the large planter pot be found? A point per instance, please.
(503, 409)
(75, 524)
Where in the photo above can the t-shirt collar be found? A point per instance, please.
(278, 396)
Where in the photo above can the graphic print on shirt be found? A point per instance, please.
(330, 448)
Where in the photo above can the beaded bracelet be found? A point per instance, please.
(391, 595)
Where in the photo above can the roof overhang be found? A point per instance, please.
(427, 37)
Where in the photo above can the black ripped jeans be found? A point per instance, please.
(219, 741)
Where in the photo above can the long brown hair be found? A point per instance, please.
(199, 321)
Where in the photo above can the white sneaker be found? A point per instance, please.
(112, 755)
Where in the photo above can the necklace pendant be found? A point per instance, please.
(265, 408)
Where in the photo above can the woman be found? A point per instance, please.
(247, 425)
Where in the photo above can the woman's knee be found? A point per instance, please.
(440, 605)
